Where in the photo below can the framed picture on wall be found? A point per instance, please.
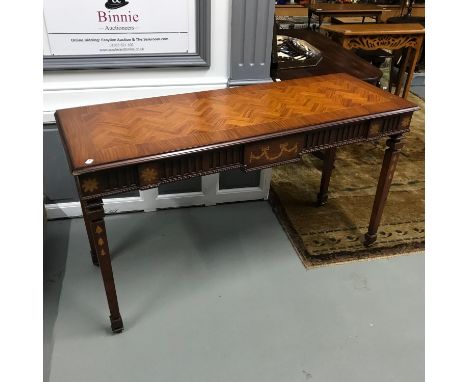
(97, 34)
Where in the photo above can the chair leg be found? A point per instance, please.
(401, 74)
(390, 76)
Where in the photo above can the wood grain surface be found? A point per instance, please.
(374, 29)
(114, 134)
(344, 8)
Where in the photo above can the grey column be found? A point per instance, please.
(251, 34)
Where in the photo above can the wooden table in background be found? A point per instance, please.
(140, 144)
(290, 10)
(384, 36)
(335, 59)
(341, 10)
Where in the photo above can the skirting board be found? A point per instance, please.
(232, 83)
(150, 200)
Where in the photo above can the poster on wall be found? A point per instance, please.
(110, 27)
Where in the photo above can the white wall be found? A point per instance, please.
(71, 88)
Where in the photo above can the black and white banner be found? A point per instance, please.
(97, 27)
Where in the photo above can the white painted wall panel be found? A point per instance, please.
(85, 87)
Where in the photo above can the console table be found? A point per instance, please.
(340, 10)
(118, 147)
(384, 36)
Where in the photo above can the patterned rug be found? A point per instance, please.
(333, 233)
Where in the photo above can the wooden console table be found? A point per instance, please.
(341, 10)
(118, 147)
(384, 36)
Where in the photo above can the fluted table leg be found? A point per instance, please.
(385, 180)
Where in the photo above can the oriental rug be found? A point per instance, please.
(334, 233)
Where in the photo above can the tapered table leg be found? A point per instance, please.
(95, 213)
(385, 180)
(328, 161)
(89, 232)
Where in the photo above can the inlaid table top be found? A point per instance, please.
(113, 134)
(374, 29)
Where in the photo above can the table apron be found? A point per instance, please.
(347, 14)
(249, 156)
(372, 42)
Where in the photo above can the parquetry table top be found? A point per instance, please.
(109, 135)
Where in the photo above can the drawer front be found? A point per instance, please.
(273, 151)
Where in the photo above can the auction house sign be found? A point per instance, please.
(96, 27)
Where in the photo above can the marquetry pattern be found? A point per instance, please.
(273, 151)
(239, 117)
(93, 213)
(94, 217)
(100, 240)
(168, 170)
(282, 151)
(90, 184)
(104, 182)
(384, 41)
(149, 174)
(131, 130)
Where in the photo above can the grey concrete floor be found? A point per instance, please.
(218, 294)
